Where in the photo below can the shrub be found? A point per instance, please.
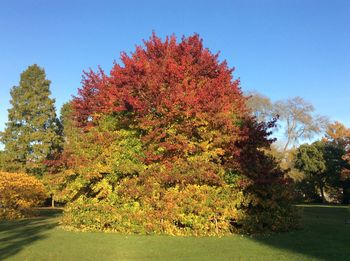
(270, 210)
(197, 210)
(191, 210)
(18, 194)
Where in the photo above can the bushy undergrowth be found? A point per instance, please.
(193, 210)
(270, 210)
(18, 194)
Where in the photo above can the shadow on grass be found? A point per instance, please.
(324, 236)
(16, 235)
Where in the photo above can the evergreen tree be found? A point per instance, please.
(33, 132)
(2, 154)
(66, 120)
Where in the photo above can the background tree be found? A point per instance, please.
(32, 133)
(261, 106)
(296, 117)
(338, 139)
(346, 170)
(54, 182)
(2, 160)
(335, 164)
(66, 119)
(309, 159)
(299, 120)
(338, 134)
(322, 163)
(286, 161)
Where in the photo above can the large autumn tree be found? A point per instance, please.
(181, 99)
(32, 133)
(167, 140)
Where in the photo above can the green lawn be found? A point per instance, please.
(325, 236)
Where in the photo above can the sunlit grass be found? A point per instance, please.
(325, 236)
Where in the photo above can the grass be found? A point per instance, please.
(325, 236)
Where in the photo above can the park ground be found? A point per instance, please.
(324, 236)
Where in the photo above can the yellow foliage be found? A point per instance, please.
(19, 192)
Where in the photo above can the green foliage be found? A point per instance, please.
(2, 160)
(32, 133)
(66, 121)
(310, 159)
(99, 159)
(322, 163)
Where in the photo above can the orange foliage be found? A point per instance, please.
(19, 192)
(338, 134)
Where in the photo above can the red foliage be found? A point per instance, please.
(162, 78)
(179, 95)
(167, 85)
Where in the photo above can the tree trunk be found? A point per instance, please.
(346, 195)
(52, 201)
(286, 145)
(322, 194)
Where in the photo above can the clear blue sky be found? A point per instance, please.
(280, 48)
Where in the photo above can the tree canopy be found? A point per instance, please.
(323, 164)
(296, 117)
(32, 133)
(166, 141)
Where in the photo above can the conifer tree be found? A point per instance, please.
(33, 132)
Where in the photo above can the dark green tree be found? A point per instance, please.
(33, 132)
(66, 119)
(338, 140)
(310, 160)
(2, 165)
(322, 163)
(333, 155)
